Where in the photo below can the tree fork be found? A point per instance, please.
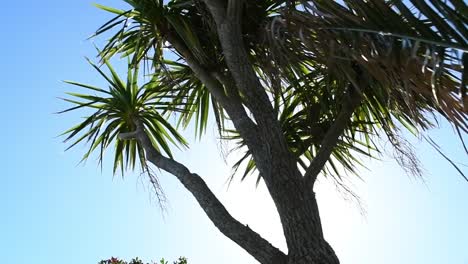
(241, 234)
(297, 210)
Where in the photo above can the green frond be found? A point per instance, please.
(114, 112)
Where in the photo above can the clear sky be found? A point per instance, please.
(55, 211)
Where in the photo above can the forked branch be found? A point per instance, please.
(227, 19)
(352, 100)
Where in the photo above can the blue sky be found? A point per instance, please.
(55, 211)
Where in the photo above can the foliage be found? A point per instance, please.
(407, 59)
(302, 87)
(115, 109)
(114, 260)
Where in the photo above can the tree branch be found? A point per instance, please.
(271, 141)
(231, 102)
(245, 237)
(269, 148)
(230, 36)
(352, 100)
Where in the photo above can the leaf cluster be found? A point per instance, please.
(407, 60)
(114, 260)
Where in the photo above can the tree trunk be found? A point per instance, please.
(300, 219)
(294, 199)
(306, 242)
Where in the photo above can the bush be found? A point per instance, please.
(114, 260)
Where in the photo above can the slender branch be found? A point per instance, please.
(231, 102)
(352, 100)
(245, 237)
(230, 36)
(271, 146)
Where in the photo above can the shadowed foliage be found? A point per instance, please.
(410, 66)
(114, 260)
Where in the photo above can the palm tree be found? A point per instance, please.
(305, 88)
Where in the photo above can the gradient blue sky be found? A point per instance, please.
(55, 211)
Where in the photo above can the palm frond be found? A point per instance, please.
(115, 110)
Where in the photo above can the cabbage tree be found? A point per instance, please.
(305, 89)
